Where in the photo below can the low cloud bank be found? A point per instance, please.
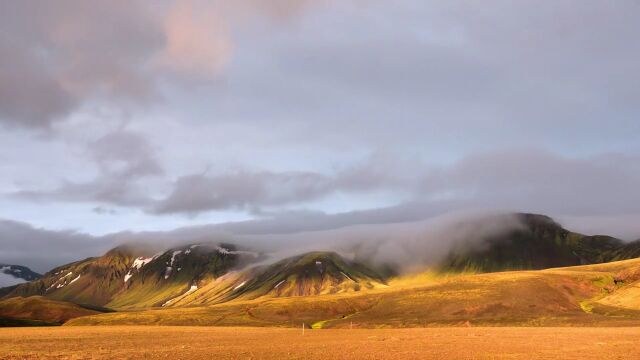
(401, 245)
(405, 246)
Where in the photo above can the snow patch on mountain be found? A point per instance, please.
(347, 276)
(141, 262)
(74, 280)
(191, 290)
(138, 264)
(173, 257)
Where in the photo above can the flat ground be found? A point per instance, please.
(161, 342)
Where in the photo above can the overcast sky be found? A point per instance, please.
(284, 115)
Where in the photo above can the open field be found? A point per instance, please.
(151, 342)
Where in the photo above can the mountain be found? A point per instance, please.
(131, 277)
(629, 250)
(539, 243)
(15, 274)
(196, 274)
(313, 273)
(134, 277)
(90, 281)
(157, 280)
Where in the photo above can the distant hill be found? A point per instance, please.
(540, 243)
(15, 274)
(38, 310)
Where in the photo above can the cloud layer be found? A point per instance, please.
(286, 116)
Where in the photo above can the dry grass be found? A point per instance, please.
(137, 342)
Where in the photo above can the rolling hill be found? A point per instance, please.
(38, 310)
(15, 274)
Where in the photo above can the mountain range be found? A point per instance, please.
(212, 274)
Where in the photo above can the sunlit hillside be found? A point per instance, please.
(599, 295)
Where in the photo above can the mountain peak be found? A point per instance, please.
(15, 274)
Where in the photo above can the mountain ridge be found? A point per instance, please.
(131, 277)
(11, 275)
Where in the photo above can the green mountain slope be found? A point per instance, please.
(539, 244)
(313, 273)
(91, 281)
(310, 274)
(130, 277)
(158, 280)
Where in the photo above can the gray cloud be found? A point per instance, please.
(125, 153)
(412, 244)
(72, 52)
(69, 52)
(42, 249)
(196, 193)
(251, 190)
(526, 179)
(445, 94)
(541, 181)
(123, 158)
(104, 211)
(461, 76)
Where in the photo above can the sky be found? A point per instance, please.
(284, 116)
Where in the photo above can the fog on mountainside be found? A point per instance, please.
(404, 246)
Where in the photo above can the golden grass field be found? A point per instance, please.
(163, 342)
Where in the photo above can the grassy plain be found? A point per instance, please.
(164, 342)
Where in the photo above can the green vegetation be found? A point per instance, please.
(540, 244)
